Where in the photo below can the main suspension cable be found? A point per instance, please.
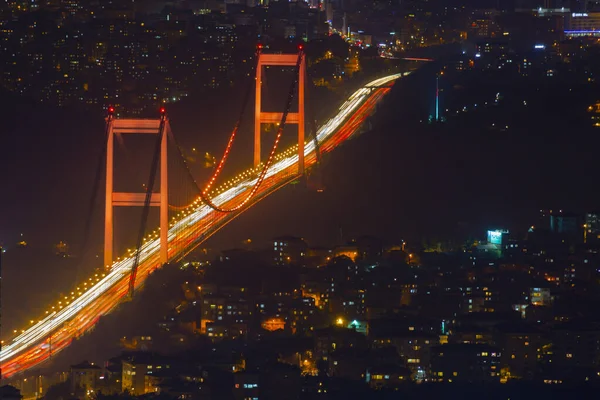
(95, 189)
(237, 125)
(261, 177)
(313, 122)
(225, 156)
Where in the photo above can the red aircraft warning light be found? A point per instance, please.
(111, 110)
(163, 111)
(259, 46)
(300, 47)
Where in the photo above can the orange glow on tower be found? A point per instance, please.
(261, 117)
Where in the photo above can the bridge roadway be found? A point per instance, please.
(67, 321)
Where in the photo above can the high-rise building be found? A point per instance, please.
(289, 250)
(564, 223)
(591, 226)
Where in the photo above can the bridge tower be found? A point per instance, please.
(261, 117)
(125, 199)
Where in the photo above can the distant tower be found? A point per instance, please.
(436, 116)
(297, 118)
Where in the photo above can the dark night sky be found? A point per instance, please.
(402, 180)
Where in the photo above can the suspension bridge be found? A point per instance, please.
(213, 208)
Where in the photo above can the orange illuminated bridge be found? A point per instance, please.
(98, 295)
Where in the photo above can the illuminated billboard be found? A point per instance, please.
(495, 236)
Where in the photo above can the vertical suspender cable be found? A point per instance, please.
(261, 177)
(146, 208)
(94, 195)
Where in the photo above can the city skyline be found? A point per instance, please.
(433, 194)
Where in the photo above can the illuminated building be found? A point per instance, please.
(315, 290)
(143, 343)
(483, 23)
(540, 296)
(302, 315)
(594, 109)
(217, 331)
(246, 385)
(328, 340)
(273, 324)
(592, 223)
(465, 363)
(225, 316)
(583, 24)
(414, 348)
(494, 48)
(473, 303)
(135, 371)
(289, 250)
(388, 376)
(85, 376)
(212, 309)
(349, 302)
(521, 345)
(471, 335)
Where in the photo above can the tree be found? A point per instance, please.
(338, 46)
(63, 391)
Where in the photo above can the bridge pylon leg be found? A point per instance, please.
(257, 112)
(108, 205)
(301, 83)
(164, 200)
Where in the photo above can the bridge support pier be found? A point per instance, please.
(261, 117)
(125, 199)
